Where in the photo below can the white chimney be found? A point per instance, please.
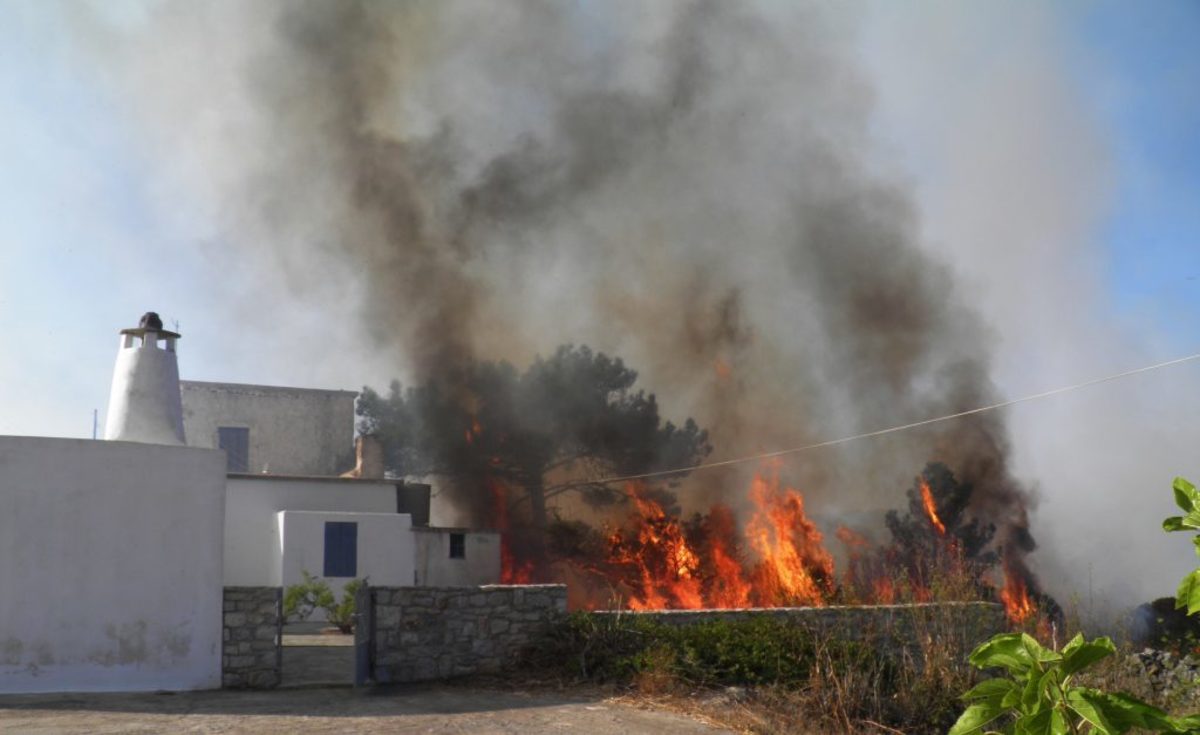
(144, 404)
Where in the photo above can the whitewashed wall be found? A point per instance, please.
(252, 545)
(293, 431)
(110, 566)
(479, 565)
(385, 547)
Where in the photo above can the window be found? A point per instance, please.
(458, 546)
(236, 443)
(341, 549)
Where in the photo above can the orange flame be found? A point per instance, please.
(1015, 596)
(511, 571)
(663, 569)
(931, 508)
(885, 591)
(777, 558)
(795, 568)
(667, 568)
(729, 587)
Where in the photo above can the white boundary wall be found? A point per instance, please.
(110, 565)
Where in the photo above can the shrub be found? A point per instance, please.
(791, 675)
(299, 601)
(620, 648)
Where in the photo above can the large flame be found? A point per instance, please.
(770, 554)
(667, 569)
(662, 568)
(729, 586)
(794, 566)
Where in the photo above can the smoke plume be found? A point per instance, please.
(690, 185)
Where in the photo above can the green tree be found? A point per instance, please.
(564, 422)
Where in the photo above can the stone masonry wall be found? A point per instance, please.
(423, 633)
(890, 628)
(251, 649)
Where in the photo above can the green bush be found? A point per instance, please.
(619, 648)
(299, 601)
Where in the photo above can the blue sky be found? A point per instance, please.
(71, 217)
(88, 242)
(1142, 72)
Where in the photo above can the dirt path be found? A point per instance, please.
(424, 709)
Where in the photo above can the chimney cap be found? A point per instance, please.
(150, 322)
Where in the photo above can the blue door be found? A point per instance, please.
(341, 549)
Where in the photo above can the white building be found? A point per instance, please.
(263, 428)
(115, 552)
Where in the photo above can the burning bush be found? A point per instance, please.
(777, 557)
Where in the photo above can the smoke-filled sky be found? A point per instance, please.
(797, 221)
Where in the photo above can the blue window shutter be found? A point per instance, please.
(351, 545)
(235, 440)
(333, 538)
(341, 549)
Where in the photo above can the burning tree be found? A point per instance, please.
(938, 537)
(563, 423)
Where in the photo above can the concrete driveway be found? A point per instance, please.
(407, 709)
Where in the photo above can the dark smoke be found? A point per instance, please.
(688, 185)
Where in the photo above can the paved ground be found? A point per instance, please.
(313, 659)
(411, 709)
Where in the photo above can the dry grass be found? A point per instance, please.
(824, 686)
(845, 690)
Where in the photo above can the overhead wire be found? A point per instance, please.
(878, 432)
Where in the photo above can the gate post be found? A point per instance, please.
(278, 635)
(364, 635)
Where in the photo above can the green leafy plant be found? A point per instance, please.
(300, 600)
(1187, 497)
(341, 613)
(1039, 695)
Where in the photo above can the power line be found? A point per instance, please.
(880, 432)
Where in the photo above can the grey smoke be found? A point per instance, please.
(688, 185)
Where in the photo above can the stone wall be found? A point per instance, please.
(423, 633)
(252, 652)
(890, 628)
